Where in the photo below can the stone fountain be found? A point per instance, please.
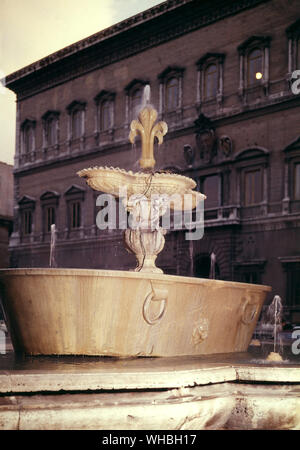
(142, 312)
(200, 329)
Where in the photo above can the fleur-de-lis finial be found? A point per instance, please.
(149, 130)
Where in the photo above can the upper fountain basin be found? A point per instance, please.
(115, 181)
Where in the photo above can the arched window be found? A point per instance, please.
(210, 81)
(255, 66)
(172, 94)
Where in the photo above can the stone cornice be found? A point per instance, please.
(152, 27)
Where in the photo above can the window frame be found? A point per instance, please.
(245, 49)
(28, 126)
(165, 77)
(130, 89)
(76, 107)
(47, 118)
(203, 64)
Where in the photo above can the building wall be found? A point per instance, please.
(263, 120)
(6, 211)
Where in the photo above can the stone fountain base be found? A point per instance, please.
(194, 393)
(127, 314)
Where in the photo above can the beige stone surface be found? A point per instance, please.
(102, 312)
(212, 407)
(184, 393)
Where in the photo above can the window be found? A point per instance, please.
(252, 187)
(293, 35)
(74, 199)
(26, 216)
(172, 94)
(254, 59)
(50, 218)
(210, 82)
(297, 181)
(105, 112)
(49, 203)
(77, 124)
(106, 115)
(210, 77)
(28, 136)
(210, 186)
(251, 167)
(26, 222)
(291, 196)
(50, 126)
(170, 80)
(291, 267)
(136, 103)
(134, 97)
(75, 214)
(76, 112)
(255, 66)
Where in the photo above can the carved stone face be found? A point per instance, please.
(206, 141)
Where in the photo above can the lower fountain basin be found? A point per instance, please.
(127, 314)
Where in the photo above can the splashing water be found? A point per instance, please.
(146, 95)
(212, 272)
(274, 316)
(52, 261)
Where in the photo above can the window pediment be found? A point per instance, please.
(254, 41)
(293, 148)
(28, 123)
(76, 105)
(251, 153)
(171, 71)
(50, 114)
(104, 95)
(293, 30)
(49, 195)
(209, 58)
(135, 84)
(74, 190)
(26, 200)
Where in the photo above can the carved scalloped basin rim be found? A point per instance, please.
(128, 274)
(110, 179)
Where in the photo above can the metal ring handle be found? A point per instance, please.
(146, 304)
(253, 312)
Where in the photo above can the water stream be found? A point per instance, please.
(52, 259)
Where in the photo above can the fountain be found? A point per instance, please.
(177, 345)
(142, 312)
